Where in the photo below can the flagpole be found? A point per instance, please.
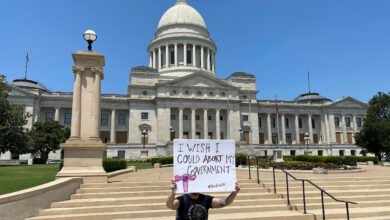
(25, 72)
(277, 120)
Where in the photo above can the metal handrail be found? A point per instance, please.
(257, 168)
(304, 196)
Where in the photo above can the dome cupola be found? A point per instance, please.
(182, 43)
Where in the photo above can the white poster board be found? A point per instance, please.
(204, 165)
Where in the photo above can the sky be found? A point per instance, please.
(344, 44)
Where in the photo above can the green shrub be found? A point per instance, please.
(162, 160)
(111, 165)
(366, 158)
(241, 159)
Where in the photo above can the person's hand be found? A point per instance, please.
(173, 185)
(237, 187)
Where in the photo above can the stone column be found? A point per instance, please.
(323, 133)
(95, 131)
(327, 129)
(159, 58)
(167, 56)
(201, 57)
(208, 58)
(185, 53)
(176, 63)
(283, 130)
(180, 123)
(269, 130)
(150, 59)
(194, 55)
(332, 129)
(344, 130)
(84, 150)
(113, 134)
(57, 114)
(297, 141)
(310, 128)
(205, 124)
(76, 104)
(128, 131)
(354, 128)
(214, 66)
(154, 59)
(217, 124)
(193, 127)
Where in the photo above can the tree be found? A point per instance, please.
(12, 119)
(45, 137)
(374, 137)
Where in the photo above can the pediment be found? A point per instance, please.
(349, 102)
(16, 91)
(199, 79)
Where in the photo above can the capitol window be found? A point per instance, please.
(49, 116)
(104, 119)
(144, 92)
(313, 123)
(67, 118)
(174, 92)
(348, 122)
(122, 119)
(189, 57)
(187, 92)
(273, 120)
(359, 122)
(172, 57)
(185, 117)
(336, 122)
(199, 93)
(223, 93)
(173, 117)
(144, 115)
(211, 93)
(245, 118)
(197, 117)
(300, 123)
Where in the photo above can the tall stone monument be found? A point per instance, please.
(84, 149)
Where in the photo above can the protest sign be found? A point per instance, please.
(204, 165)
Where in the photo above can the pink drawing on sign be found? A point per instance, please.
(185, 178)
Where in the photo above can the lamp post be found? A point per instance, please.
(144, 136)
(170, 132)
(240, 130)
(90, 36)
(307, 139)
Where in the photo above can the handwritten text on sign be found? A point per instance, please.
(204, 165)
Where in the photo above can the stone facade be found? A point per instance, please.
(180, 90)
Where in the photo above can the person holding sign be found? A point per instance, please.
(195, 206)
(202, 166)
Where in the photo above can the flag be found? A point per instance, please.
(276, 105)
(27, 57)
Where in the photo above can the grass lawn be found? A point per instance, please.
(14, 178)
(141, 165)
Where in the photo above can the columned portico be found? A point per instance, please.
(217, 124)
(113, 133)
(180, 123)
(269, 131)
(205, 124)
(297, 141)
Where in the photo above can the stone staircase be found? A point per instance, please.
(146, 200)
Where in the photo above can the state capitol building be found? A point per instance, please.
(179, 95)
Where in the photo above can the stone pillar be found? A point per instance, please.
(180, 123)
(283, 130)
(193, 127)
(269, 130)
(327, 129)
(332, 129)
(344, 130)
(208, 58)
(57, 114)
(113, 134)
(354, 128)
(217, 125)
(214, 66)
(150, 59)
(84, 150)
(128, 129)
(194, 55)
(154, 59)
(201, 57)
(323, 133)
(167, 56)
(76, 104)
(159, 58)
(297, 141)
(185, 53)
(310, 128)
(205, 124)
(176, 63)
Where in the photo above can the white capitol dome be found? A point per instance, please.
(181, 13)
